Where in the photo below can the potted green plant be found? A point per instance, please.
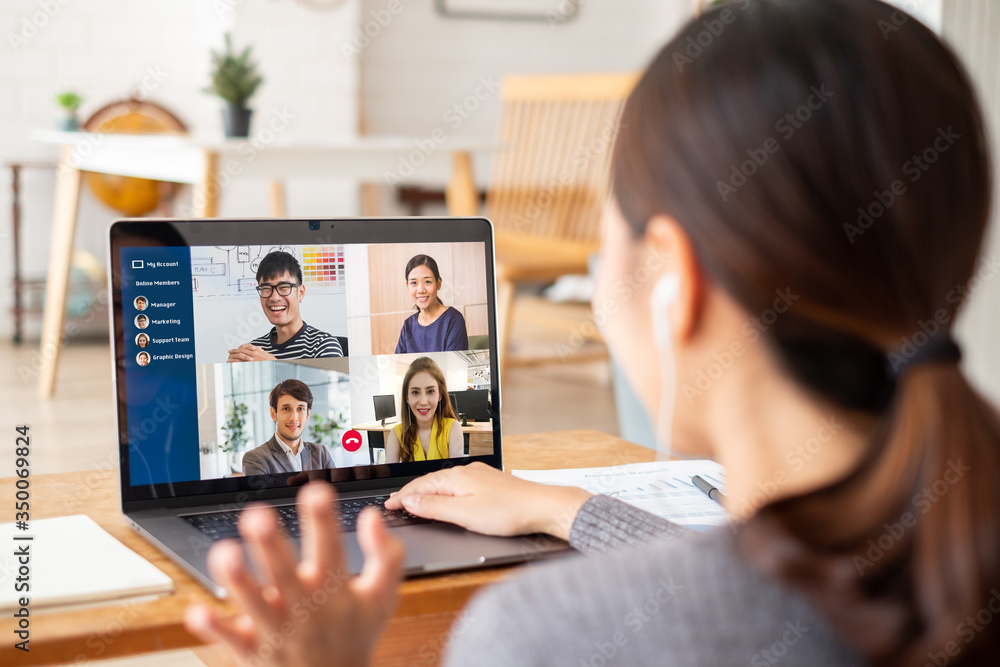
(326, 429)
(235, 79)
(70, 102)
(234, 433)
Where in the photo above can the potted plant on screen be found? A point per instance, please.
(234, 434)
(235, 79)
(326, 430)
(70, 102)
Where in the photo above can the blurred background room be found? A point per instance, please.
(503, 108)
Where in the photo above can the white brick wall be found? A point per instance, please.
(421, 63)
(104, 49)
(972, 27)
(928, 11)
(418, 66)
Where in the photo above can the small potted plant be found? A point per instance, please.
(235, 79)
(234, 433)
(326, 429)
(70, 102)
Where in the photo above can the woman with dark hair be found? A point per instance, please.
(798, 209)
(434, 327)
(427, 429)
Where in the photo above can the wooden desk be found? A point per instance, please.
(415, 635)
(209, 166)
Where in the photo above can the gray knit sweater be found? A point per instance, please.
(660, 596)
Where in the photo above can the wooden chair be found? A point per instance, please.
(549, 184)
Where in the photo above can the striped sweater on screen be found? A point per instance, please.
(308, 343)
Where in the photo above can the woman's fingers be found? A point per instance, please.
(442, 482)
(226, 564)
(344, 627)
(384, 556)
(486, 500)
(210, 628)
(451, 509)
(322, 552)
(272, 551)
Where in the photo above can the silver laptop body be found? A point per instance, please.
(183, 293)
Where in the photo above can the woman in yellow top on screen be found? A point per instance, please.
(435, 327)
(428, 429)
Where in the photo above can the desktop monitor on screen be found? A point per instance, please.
(472, 404)
(385, 407)
(475, 403)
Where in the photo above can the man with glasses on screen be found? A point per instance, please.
(279, 284)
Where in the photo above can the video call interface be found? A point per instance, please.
(264, 360)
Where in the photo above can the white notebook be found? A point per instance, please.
(72, 562)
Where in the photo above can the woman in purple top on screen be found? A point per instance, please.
(435, 327)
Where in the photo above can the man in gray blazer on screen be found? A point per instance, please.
(291, 405)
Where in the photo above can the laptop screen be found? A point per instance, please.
(261, 354)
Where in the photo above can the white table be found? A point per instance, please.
(210, 165)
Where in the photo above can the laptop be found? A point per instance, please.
(215, 380)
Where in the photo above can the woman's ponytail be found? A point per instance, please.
(952, 437)
(902, 556)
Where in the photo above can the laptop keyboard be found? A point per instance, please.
(220, 525)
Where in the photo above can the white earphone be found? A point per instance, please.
(664, 296)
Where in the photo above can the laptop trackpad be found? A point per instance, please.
(440, 547)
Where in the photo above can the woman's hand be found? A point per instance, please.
(306, 613)
(486, 500)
